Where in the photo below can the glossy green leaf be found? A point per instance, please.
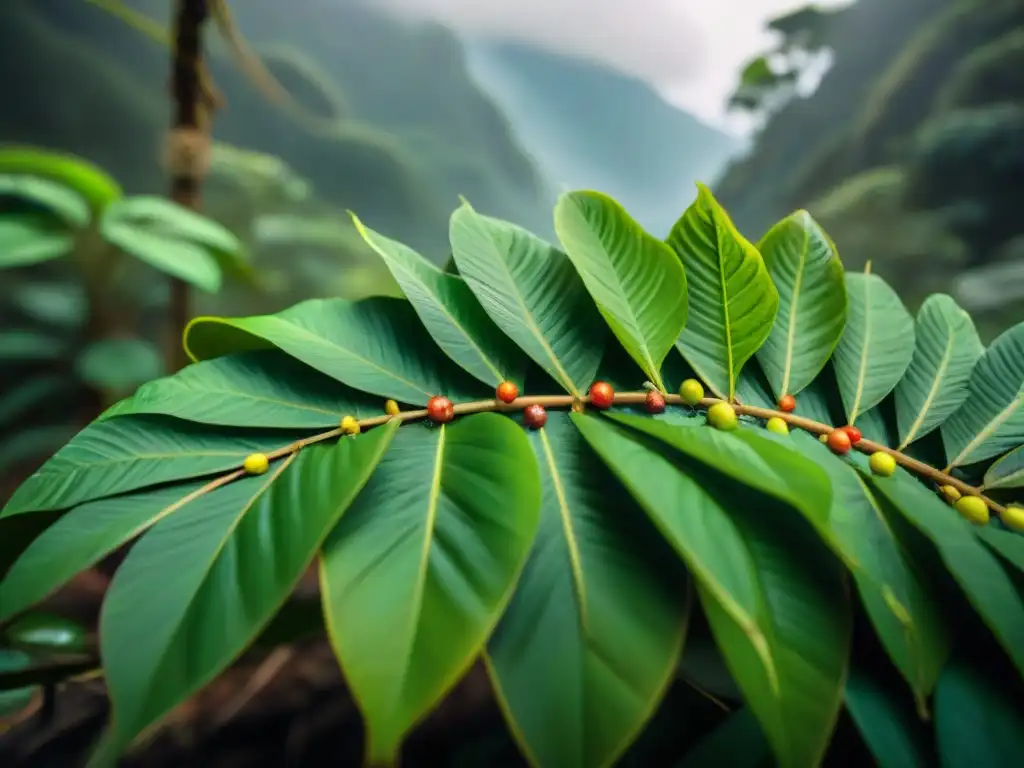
(532, 292)
(991, 420)
(978, 719)
(201, 584)
(376, 345)
(733, 301)
(263, 388)
(450, 312)
(1008, 545)
(1008, 471)
(46, 633)
(186, 261)
(805, 267)
(76, 173)
(418, 572)
(119, 365)
(889, 725)
(62, 202)
(987, 586)
(120, 455)
(592, 636)
(902, 606)
(782, 623)
(83, 537)
(27, 239)
(877, 344)
(946, 349)
(635, 279)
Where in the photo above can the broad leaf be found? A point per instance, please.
(1007, 472)
(592, 635)
(782, 623)
(991, 420)
(876, 347)
(263, 388)
(416, 575)
(76, 173)
(27, 239)
(186, 261)
(532, 293)
(376, 345)
(895, 735)
(202, 583)
(732, 299)
(41, 194)
(805, 267)
(112, 457)
(975, 569)
(947, 347)
(450, 312)
(635, 279)
(81, 538)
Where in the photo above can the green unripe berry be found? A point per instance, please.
(722, 416)
(972, 508)
(777, 425)
(691, 391)
(882, 463)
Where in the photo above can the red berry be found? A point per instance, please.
(655, 402)
(855, 434)
(440, 409)
(601, 394)
(787, 403)
(535, 416)
(839, 441)
(507, 391)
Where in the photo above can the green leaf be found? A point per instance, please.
(185, 261)
(893, 733)
(264, 388)
(733, 301)
(946, 349)
(782, 623)
(375, 345)
(1008, 471)
(532, 293)
(635, 279)
(450, 312)
(805, 268)
(987, 586)
(20, 346)
(978, 719)
(900, 604)
(32, 443)
(1009, 546)
(120, 455)
(593, 633)
(203, 582)
(876, 347)
(76, 173)
(165, 218)
(46, 633)
(13, 702)
(27, 239)
(62, 304)
(416, 575)
(119, 365)
(738, 742)
(62, 202)
(991, 420)
(81, 538)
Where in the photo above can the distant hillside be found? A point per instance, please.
(589, 126)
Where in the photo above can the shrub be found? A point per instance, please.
(574, 554)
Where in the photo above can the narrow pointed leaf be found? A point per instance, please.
(1007, 472)
(947, 347)
(782, 623)
(186, 261)
(376, 345)
(805, 267)
(877, 344)
(592, 636)
(83, 537)
(987, 586)
(635, 279)
(732, 299)
(121, 455)
(58, 199)
(450, 312)
(419, 570)
(532, 293)
(991, 420)
(263, 388)
(201, 584)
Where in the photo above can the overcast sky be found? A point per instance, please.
(692, 50)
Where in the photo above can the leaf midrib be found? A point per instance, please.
(862, 371)
(791, 331)
(994, 424)
(933, 391)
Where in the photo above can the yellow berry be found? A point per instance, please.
(777, 425)
(722, 416)
(823, 438)
(256, 463)
(973, 508)
(949, 492)
(882, 463)
(391, 408)
(350, 426)
(691, 391)
(1013, 517)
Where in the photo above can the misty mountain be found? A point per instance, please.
(588, 126)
